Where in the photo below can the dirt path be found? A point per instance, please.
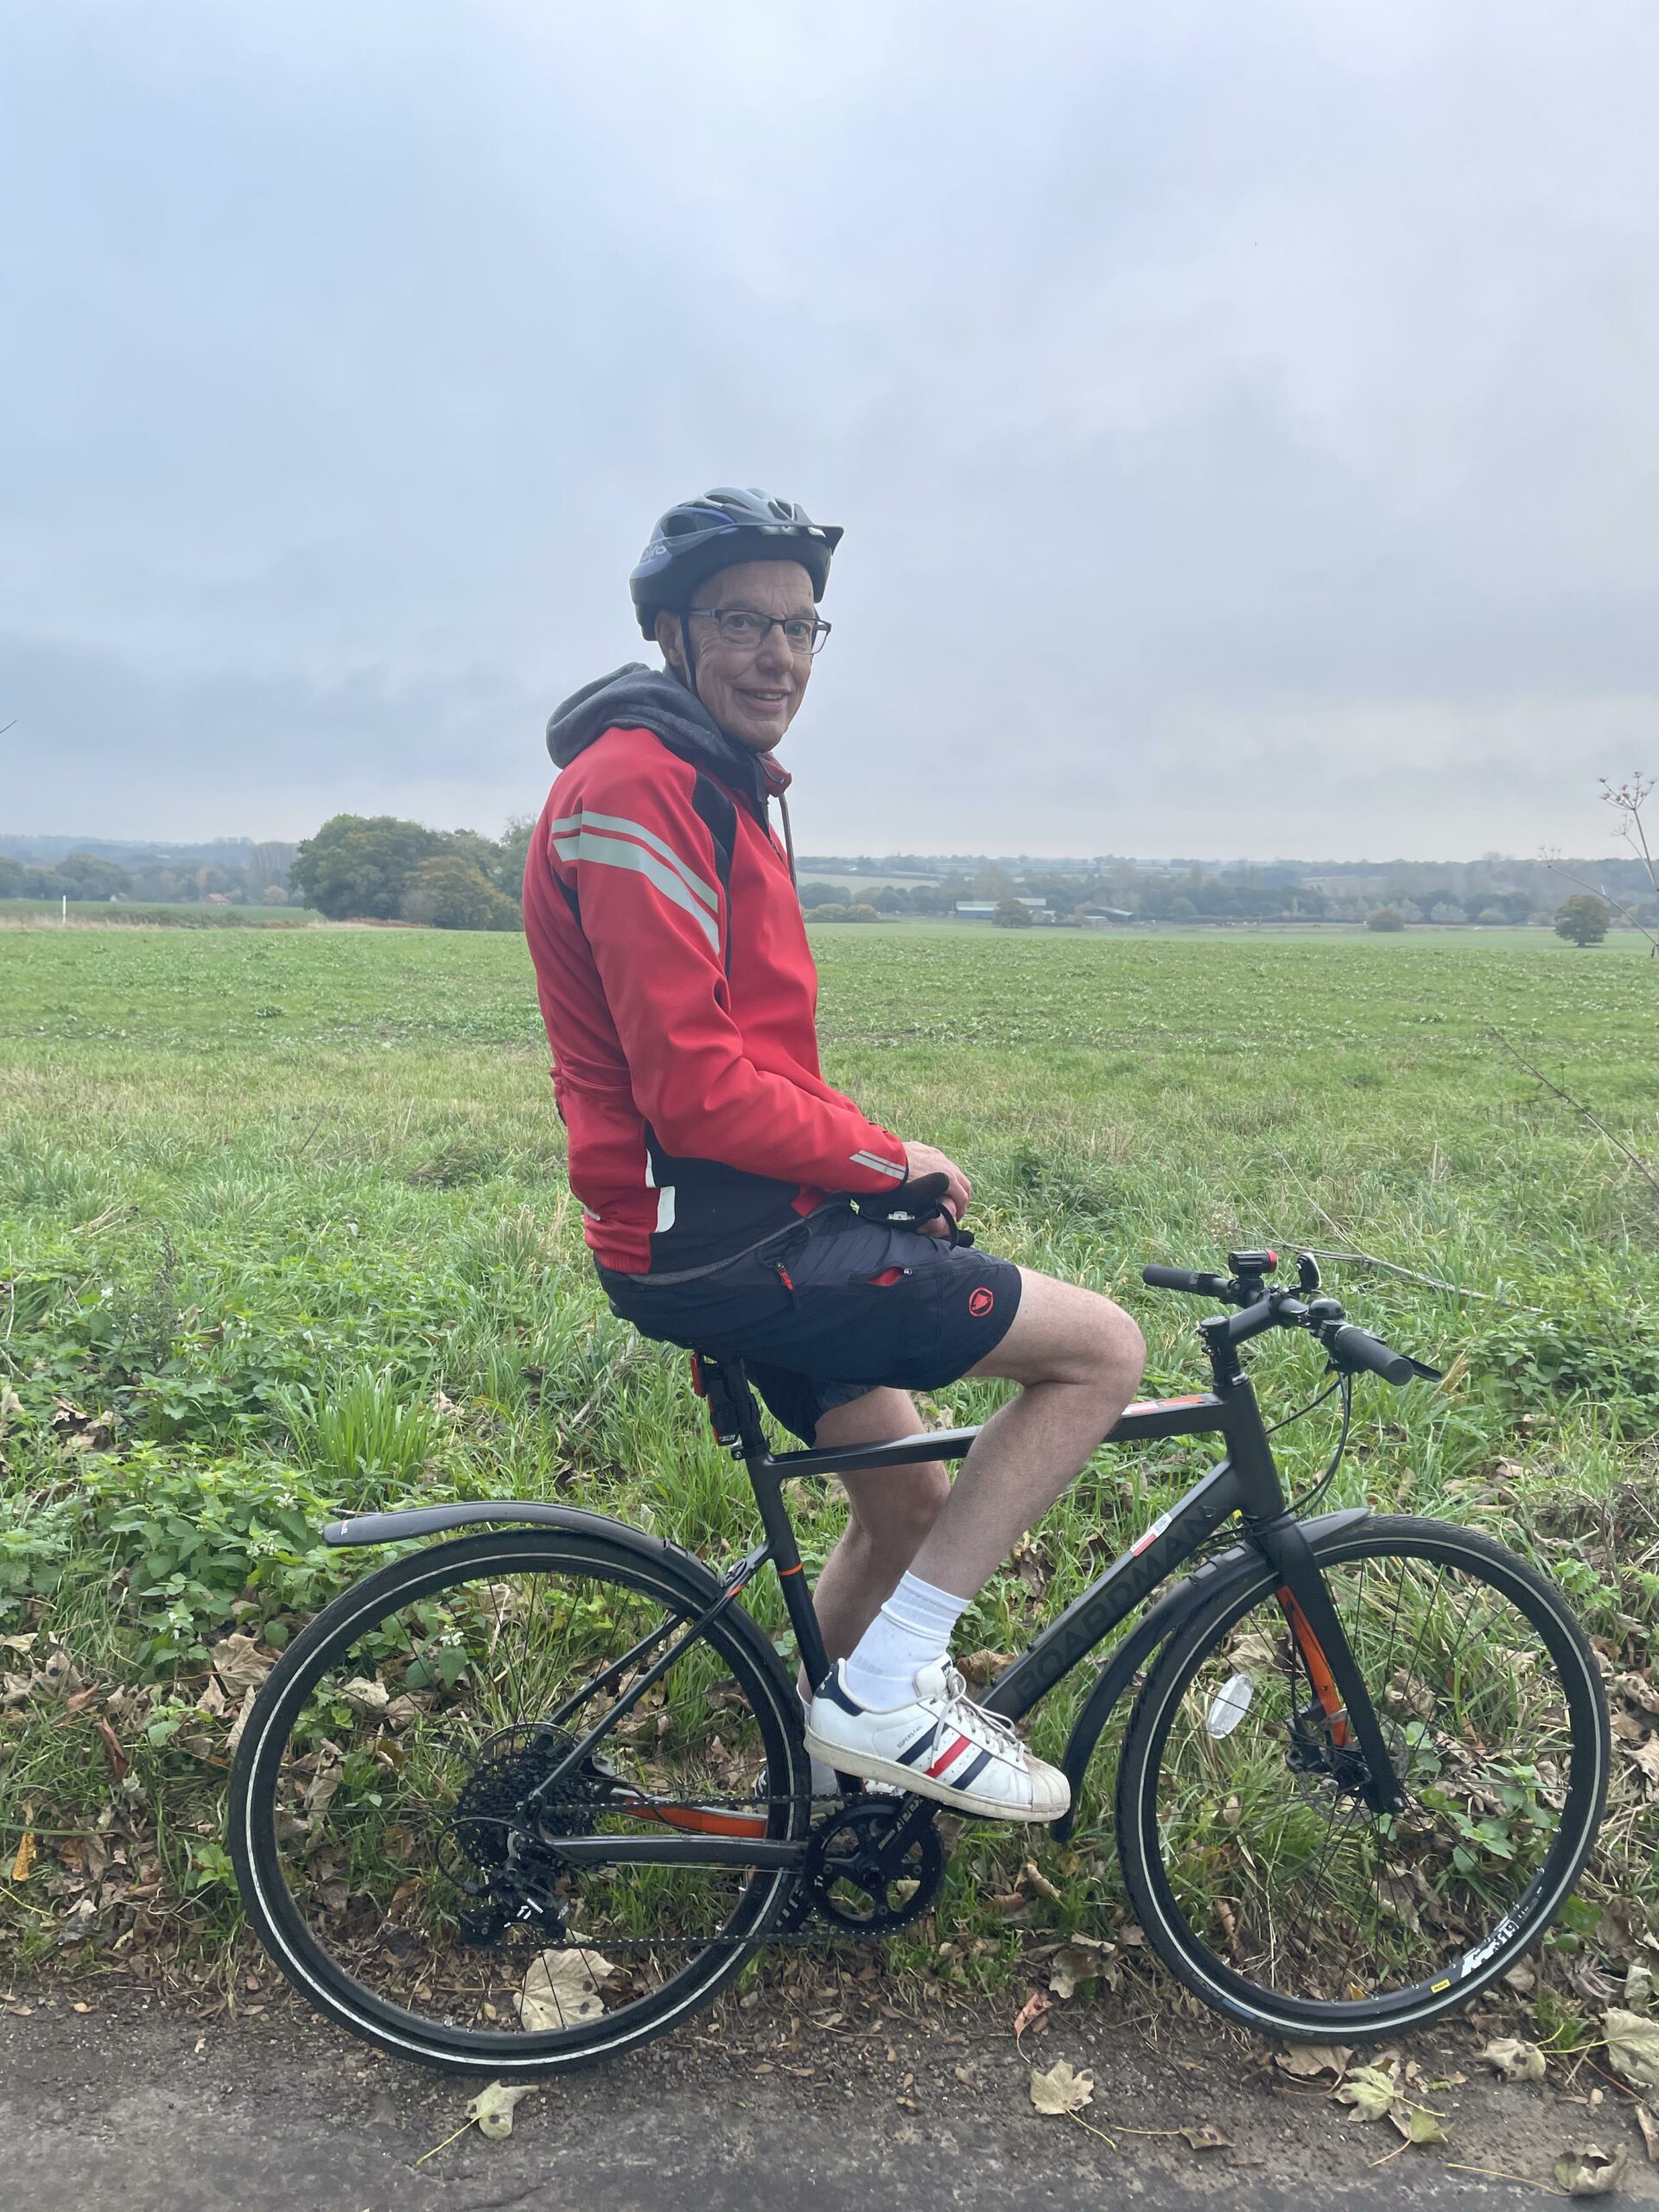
(148, 2107)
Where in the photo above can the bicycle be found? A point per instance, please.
(496, 1807)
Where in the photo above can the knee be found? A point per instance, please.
(1113, 1353)
(908, 1513)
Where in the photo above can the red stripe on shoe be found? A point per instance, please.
(945, 1757)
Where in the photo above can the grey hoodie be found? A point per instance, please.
(634, 696)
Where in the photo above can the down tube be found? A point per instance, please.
(1171, 1540)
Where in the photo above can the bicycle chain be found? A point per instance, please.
(790, 1933)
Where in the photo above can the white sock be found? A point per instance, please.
(911, 1632)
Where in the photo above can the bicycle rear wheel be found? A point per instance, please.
(392, 1852)
(1258, 1873)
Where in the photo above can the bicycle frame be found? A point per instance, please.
(1245, 1484)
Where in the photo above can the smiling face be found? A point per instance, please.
(751, 692)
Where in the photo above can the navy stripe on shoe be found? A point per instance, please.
(830, 1688)
(924, 1742)
(971, 1772)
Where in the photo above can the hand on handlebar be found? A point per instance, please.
(928, 1160)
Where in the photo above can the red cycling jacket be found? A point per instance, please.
(678, 990)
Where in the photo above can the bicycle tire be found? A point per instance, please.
(255, 1813)
(1468, 1968)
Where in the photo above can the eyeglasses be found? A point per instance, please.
(741, 627)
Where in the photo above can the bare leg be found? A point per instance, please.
(890, 1515)
(1079, 1358)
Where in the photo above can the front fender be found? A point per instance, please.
(1150, 1631)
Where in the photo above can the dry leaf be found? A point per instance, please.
(1371, 2092)
(1061, 2089)
(492, 2108)
(1638, 1986)
(365, 1695)
(1033, 2010)
(27, 1851)
(1306, 2062)
(1586, 2170)
(1633, 2045)
(1513, 2059)
(234, 1738)
(1650, 2127)
(1074, 1963)
(238, 1663)
(1206, 2138)
(560, 1989)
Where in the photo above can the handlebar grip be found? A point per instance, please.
(1187, 1279)
(919, 1199)
(1352, 1347)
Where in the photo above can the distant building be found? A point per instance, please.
(985, 910)
(1093, 918)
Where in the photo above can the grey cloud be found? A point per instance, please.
(1246, 424)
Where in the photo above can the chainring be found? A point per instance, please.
(844, 1873)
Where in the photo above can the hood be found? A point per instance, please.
(638, 697)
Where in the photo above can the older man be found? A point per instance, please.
(714, 1163)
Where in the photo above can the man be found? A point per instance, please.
(714, 1165)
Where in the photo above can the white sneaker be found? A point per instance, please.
(941, 1745)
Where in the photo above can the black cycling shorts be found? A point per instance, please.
(833, 1309)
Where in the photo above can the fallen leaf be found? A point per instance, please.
(1032, 2011)
(1633, 2046)
(492, 2108)
(1206, 2138)
(1513, 2059)
(27, 1851)
(365, 1695)
(560, 1989)
(238, 1661)
(1062, 2088)
(1417, 2123)
(1638, 1986)
(1072, 1965)
(1650, 2127)
(234, 1738)
(1586, 2170)
(1371, 2092)
(1306, 2062)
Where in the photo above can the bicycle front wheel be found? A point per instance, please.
(405, 1783)
(1257, 1870)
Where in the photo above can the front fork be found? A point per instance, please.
(1320, 1637)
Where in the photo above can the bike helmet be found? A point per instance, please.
(716, 532)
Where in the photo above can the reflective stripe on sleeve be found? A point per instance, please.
(882, 1166)
(600, 850)
(572, 824)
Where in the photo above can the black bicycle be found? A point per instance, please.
(524, 1798)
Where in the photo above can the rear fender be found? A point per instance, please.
(1238, 1563)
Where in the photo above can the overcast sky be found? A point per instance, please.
(1245, 421)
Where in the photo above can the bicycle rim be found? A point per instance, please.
(1258, 1873)
(389, 1852)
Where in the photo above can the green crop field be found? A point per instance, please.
(283, 1229)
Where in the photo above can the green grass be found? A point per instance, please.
(284, 1229)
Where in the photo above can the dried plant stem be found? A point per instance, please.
(1567, 1098)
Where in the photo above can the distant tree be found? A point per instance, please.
(1492, 917)
(84, 876)
(359, 864)
(274, 895)
(1446, 910)
(862, 912)
(1011, 915)
(1582, 919)
(832, 910)
(820, 894)
(1387, 919)
(513, 850)
(1181, 909)
(450, 893)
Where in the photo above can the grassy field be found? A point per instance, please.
(284, 1229)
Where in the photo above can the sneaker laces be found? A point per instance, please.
(1000, 1731)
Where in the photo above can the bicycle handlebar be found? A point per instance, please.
(1200, 1286)
(1351, 1350)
